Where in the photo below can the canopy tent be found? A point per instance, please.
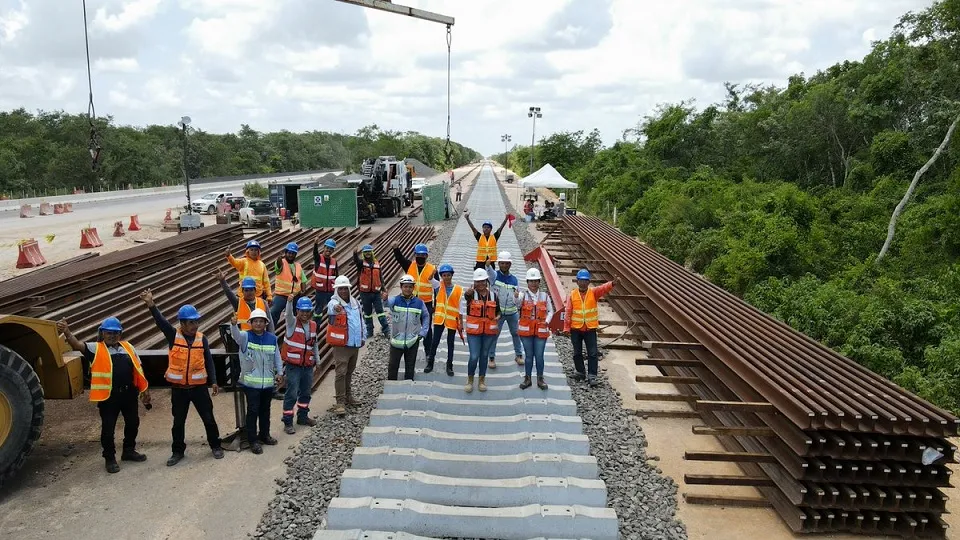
(548, 177)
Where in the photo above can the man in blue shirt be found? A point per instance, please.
(411, 321)
(345, 334)
(506, 286)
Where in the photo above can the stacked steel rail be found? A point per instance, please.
(831, 445)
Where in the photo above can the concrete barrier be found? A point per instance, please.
(25, 210)
(473, 465)
(493, 425)
(28, 254)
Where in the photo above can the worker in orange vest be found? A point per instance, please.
(325, 272)
(486, 241)
(535, 314)
(290, 280)
(481, 311)
(251, 266)
(426, 279)
(581, 320)
(370, 283)
(244, 305)
(300, 353)
(345, 335)
(446, 316)
(116, 380)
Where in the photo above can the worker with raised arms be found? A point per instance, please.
(290, 280)
(251, 266)
(581, 320)
(261, 371)
(425, 279)
(370, 283)
(244, 305)
(446, 316)
(190, 370)
(300, 352)
(325, 273)
(116, 382)
(486, 241)
(410, 323)
(506, 286)
(481, 311)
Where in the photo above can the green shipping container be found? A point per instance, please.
(435, 198)
(334, 207)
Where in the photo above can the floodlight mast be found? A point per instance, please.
(387, 5)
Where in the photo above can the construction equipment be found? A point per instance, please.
(383, 188)
(36, 364)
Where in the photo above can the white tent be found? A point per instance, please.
(547, 177)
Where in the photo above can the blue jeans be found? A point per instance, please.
(513, 321)
(479, 348)
(533, 348)
(371, 303)
(297, 397)
(276, 309)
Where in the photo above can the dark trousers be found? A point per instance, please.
(121, 402)
(458, 196)
(428, 339)
(180, 400)
(321, 299)
(480, 266)
(579, 338)
(371, 302)
(409, 356)
(258, 410)
(437, 336)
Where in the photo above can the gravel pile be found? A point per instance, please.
(645, 500)
(420, 170)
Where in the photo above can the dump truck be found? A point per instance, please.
(36, 364)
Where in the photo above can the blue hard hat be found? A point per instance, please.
(188, 313)
(248, 283)
(293, 247)
(366, 247)
(583, 274)
(304, 303)
(444, 268)
(487, 224)
(253, 244)
(420, 249)
(111, 324)
(330, 243)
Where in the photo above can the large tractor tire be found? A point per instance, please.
(21, 411)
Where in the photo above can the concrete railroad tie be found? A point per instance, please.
(507, 463)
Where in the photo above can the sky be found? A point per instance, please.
(305, 65)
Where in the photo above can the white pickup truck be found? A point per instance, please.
(208, 203)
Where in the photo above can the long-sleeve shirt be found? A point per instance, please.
(316, 261)
(122, 363)
(360, 264)
(255, 269)
(291, 326)
(468, 297)
(505, 285)
(235, 303)
(278, 268)
(539, 296)
(355, 332)
(243, 339)
(170, 333)
(413, 302)
(598, 292)
(405, 263)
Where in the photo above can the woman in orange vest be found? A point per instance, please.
(481, 311)
(581, 321)
(446, 315)
(486, 241)
(372, 291)
(116, 380)
(535, 312)
(289, 283)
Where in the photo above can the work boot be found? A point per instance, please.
(306, 421)
(217, 453)
(112, 466)
(469, 386)
(256, 448)
(268, 440)
(526, 383)
(577, 376)
(449, 369)
(174, 459)
(541, 384)
(482, 385)
(339, 409)
(519, 359)
(350, 402)
(132, 455)
(429, 367)
(491, 364)
(289, 429)
(594, 382)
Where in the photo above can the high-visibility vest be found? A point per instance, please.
(423, 288)
(186, 365)
(289, 280)
(337, 330)
(324, 274)
(584, 310)
(533, 317)
(370, 277)
(297, 350)
(244, 311)
(256, 270)
(487, 247)
(447, 311)
(101, 372)
(482, 316)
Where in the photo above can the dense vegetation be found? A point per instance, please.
(783, 196)
(47, 151)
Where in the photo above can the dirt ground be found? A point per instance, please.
(669, 438)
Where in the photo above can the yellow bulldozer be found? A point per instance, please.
(36, 364)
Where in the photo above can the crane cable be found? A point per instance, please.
(94, 142)
(447, 149)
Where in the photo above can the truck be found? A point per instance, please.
(383, 188)
(258, 212)
(208, 203)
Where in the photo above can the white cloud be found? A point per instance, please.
(122, 65)
(130, 14)
(13, 22)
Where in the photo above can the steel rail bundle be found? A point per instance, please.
(831, 445)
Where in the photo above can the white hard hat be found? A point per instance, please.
(258, 314)
(480, 275)
(341, 281)
(504, 256)
(407, 278)
(533, 274)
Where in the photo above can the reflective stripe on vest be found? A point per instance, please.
(289, 281)
(533, 316)
(297, 350)
(423, 288)
(584, 310)
(101, 371)
(244, 311)
(370, 277)
(487, 247)
(482, 316)
(324, 274)
(406, 326)
(186, 364)
(337, 330)
(507, 294)
(261, 356)
(447, 311)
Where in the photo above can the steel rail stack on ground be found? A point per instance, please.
(831, 445)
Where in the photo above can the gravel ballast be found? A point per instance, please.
(644, 499)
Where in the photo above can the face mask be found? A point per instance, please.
(421, 259)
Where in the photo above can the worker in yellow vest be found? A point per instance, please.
(446, 316)
(251, 266)
(486, 241)
(244, 305)
(116, 381)
(581, 320)
(425, 278)
(289, 283)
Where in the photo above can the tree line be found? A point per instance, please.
(783, 195)
(48, 151)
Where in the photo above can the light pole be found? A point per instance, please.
(183, 123)
(533, 113)
(505, 139)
